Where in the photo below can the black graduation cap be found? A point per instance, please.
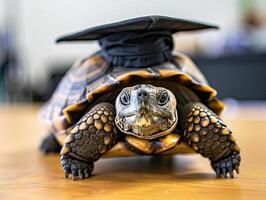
(137, 42)
(148, 23)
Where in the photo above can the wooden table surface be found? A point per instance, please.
(26, 174)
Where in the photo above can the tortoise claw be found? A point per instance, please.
(66, 174)
(74, 174)
(224, 172)
(80, 172)
(227, 166)
(218, 172)
(231, 172)
(237, 169)
(86, 173)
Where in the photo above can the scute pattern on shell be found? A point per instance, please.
(86, 81)
(72, 90)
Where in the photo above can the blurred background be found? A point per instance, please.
(31, 64)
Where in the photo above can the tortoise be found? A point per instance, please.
(134, 97)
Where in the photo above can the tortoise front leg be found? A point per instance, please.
(205, 132)
(91, 137)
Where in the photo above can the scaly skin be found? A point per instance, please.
(91, 137)
(205, 132)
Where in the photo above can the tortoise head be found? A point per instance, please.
(146, 111)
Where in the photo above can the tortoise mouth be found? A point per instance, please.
(146, 126)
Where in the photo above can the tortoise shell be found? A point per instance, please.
(92, 77)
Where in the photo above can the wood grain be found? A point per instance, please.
(26, 174)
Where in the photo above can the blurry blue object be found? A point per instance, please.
(249, 37)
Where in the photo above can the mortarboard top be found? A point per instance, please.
(148, 23)
(139, 42)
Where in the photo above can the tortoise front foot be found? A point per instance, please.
(227, 165)
(208, 135)
(88, 140)
(76, 168)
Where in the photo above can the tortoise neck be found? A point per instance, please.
(137, 49)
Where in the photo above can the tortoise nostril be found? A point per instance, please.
(142, 94)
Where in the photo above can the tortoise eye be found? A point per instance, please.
(125, 98)
(163, 98)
